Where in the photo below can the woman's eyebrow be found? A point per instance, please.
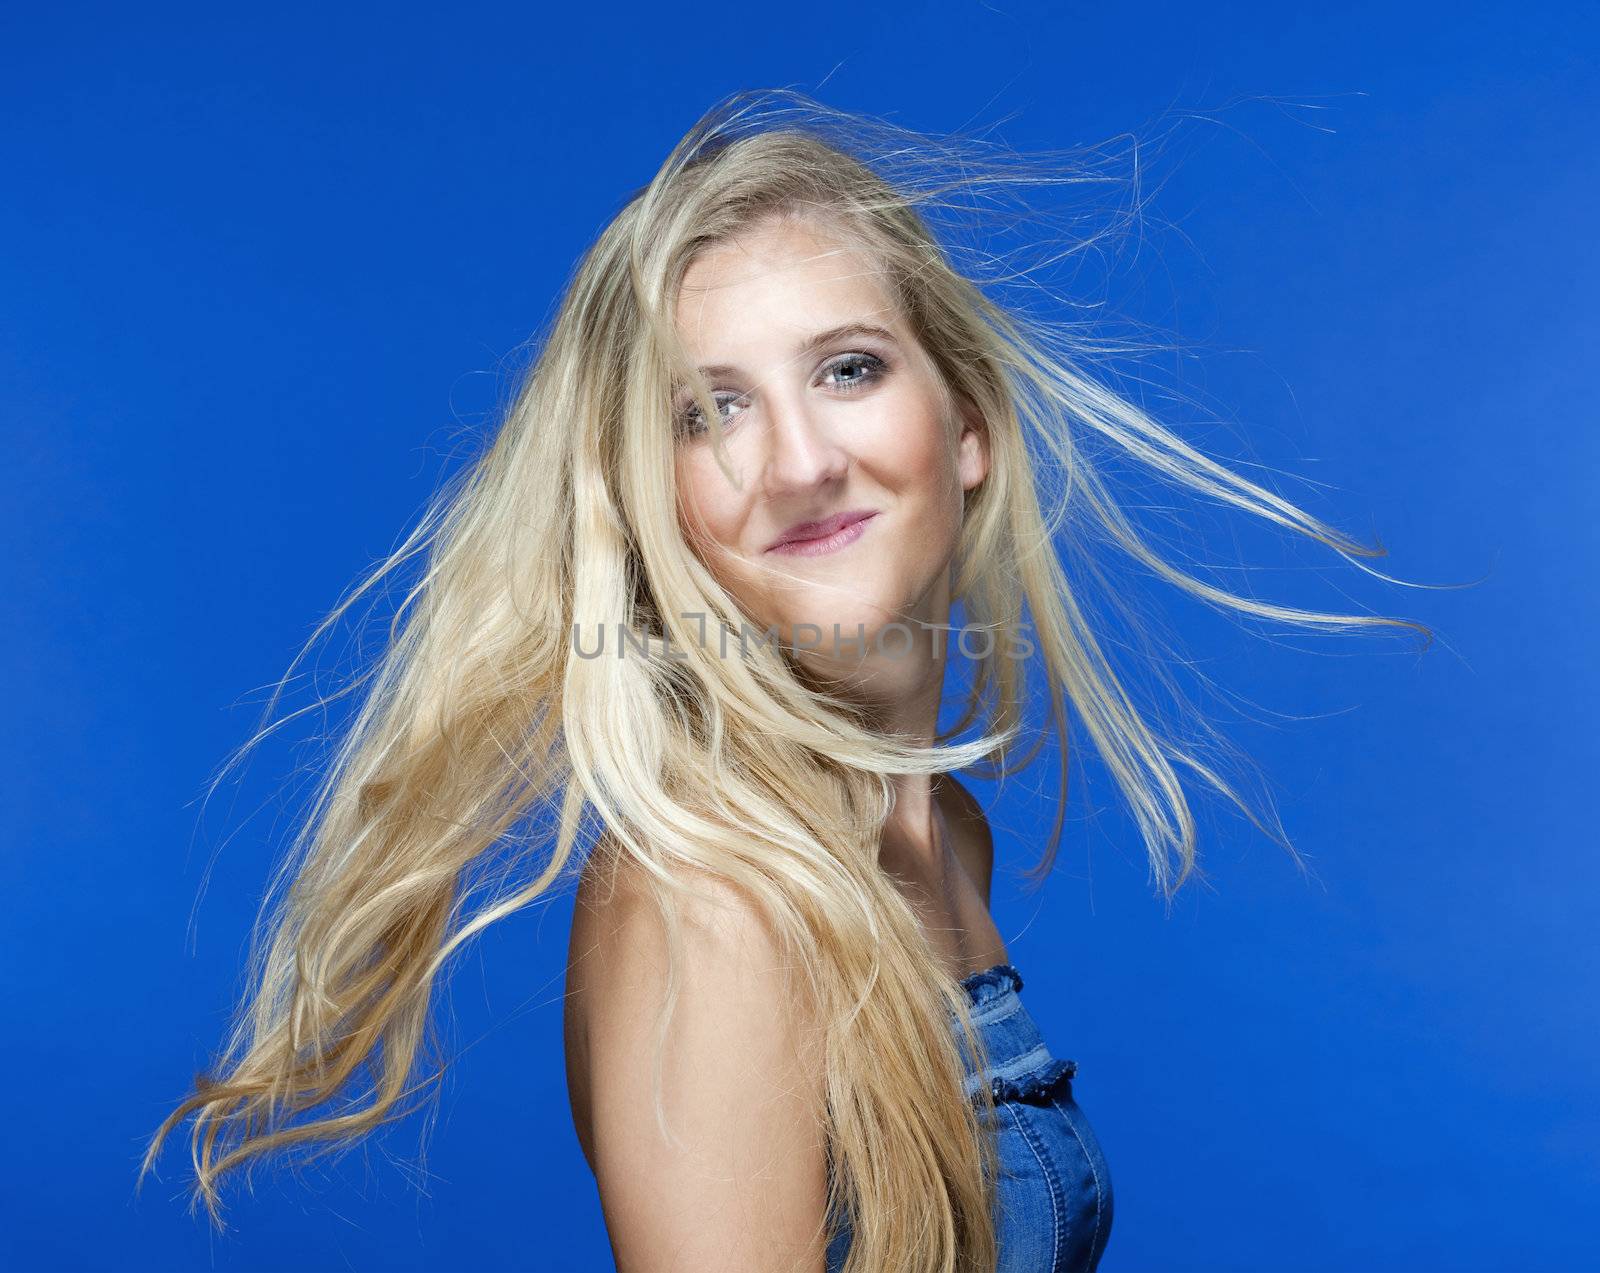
(812, 343)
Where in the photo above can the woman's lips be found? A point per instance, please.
(826, 543)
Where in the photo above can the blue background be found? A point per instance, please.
(262, 276)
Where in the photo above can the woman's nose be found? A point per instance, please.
(802, 446)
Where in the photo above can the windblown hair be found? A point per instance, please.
(708, 767)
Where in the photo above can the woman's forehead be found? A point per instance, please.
(773, 245)
(778, 281)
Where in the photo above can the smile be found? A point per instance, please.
(827, 543)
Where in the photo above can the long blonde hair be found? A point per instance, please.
(481, 712)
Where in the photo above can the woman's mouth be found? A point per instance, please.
(823, 544)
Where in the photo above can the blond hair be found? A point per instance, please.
(479, 712)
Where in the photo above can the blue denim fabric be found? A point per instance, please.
(1053, 1204)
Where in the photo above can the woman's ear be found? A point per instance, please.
(972, 448)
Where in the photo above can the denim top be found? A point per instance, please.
(1053, 1203)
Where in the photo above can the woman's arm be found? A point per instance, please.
(746, 1188)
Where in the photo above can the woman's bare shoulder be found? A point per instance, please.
(742, 1182)
(614, 898)
(617, 928)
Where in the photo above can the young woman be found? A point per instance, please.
(698, 595)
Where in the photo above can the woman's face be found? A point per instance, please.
(829, 407)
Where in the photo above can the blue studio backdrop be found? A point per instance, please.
(263, 278)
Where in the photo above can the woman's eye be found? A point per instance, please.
(692, 418)
(852, 370)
